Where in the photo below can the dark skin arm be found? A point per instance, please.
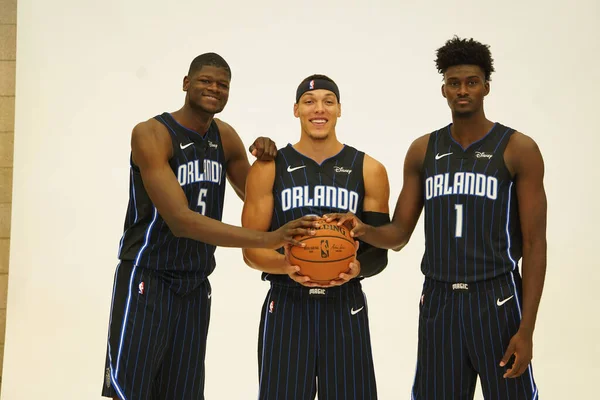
(151, 149)
(397, 233)
(263, 149)
(524, 160)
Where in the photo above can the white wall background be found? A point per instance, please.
(88, 71)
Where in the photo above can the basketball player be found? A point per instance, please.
(315, 338)
(481, 184)
(161, 298)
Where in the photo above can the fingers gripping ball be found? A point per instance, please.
(326, 254)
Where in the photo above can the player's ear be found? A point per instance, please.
(486, 85)
(443, 90)
(186, 83)
(339, 110)
(296, 110)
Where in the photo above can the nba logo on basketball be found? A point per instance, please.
(271, 306)
(141, 288)
(311, 84)
(324, 248)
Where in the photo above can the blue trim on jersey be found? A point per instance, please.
(133, 193)
(202, 136)
(471, 145)
(137, 259)
(113, 377)
(534, 388)
(322, 162)
(115, 373)
(507, 226)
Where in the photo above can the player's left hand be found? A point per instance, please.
(264, 149)
(521, 345)
(345, 277)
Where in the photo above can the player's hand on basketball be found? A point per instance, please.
(293, 271)
(356, 226)
(521, 345)
(264, 149)
(304, 226)
(353, 272)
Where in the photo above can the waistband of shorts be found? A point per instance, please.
(334, 291)
(510, 278)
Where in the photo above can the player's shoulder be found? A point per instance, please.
(522, 142)
(224, 127)
(421, 142)
(150, 129)
(373, 166)
(418, 147)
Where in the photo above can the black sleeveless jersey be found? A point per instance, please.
(198, 162)
(304, 187)
(472, 228)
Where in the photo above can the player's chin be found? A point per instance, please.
(211, 107)
(318, 135)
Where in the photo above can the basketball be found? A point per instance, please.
(326, 254)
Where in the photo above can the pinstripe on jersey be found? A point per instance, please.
(472, 227)
(198, 162)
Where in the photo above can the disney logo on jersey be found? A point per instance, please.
(461, 183)
(213, 145)
(319, 196)
(196, 171)
(482, 154)
(342, 170)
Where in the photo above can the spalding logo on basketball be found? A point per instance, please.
(326, 254)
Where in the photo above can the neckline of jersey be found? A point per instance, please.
(324, 161)
(475, 142)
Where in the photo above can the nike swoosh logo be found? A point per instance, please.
(187, 145)
(499, 303)
(438, 155)
(210, 294)
(290, 169)
(354, 312)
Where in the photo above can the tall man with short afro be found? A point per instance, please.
(481, 185)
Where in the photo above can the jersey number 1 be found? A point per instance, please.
(201, 202)
(459, 220)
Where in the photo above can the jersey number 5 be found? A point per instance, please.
(459, 220)
(201, 202)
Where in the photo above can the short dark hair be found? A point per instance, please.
(459, 51)
(211, 59)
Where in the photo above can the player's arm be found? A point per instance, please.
(257, 214)
(151, 149)
(237, 159)
(376, 212)
(524, 160)
(396, 234)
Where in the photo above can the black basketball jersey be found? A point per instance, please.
(304, 187)
(472, 228)
(198, 162)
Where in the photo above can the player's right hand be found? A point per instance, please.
(304, 226)
(293, 271)
(356, 226)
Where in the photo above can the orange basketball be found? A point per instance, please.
(326, 254)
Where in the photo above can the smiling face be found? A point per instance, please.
(207, 89)
(465, 88)
(318, 111)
